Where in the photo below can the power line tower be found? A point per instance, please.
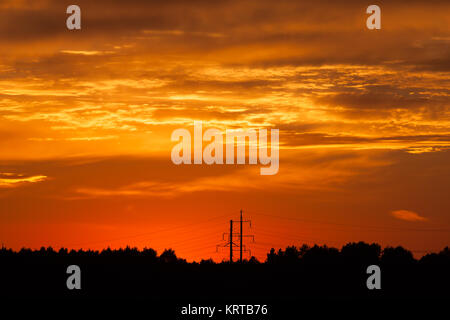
(229, 242)
(232, 235)
(241, 236)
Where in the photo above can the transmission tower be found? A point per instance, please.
(232, 235)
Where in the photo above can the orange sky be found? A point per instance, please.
(86, 118)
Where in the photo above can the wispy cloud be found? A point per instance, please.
(408, 215)
(86, 52)
(167, 189)
(8, 179)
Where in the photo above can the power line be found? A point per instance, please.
(294, 238)
(146, 233)
(351, 226)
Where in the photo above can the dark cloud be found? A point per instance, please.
(309, 33)
(381, 97)
(323, 139)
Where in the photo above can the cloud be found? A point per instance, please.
(408, 215)
(170, 189)
(86, 52)
(8, 179)
(148, 66)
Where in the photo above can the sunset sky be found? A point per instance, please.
(86, 119)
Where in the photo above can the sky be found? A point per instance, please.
(86, 118)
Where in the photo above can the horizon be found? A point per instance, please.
(275, 251)
(262, 248)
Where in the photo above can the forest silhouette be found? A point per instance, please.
(306, 271)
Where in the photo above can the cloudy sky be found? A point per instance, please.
(86, 118)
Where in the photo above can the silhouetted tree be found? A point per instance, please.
(361, 253)
(253, 260)
(398, 255)
(294, 271)
(149, 254)
(207, 262)
(168, 256)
